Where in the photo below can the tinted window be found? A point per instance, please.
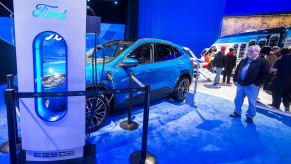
(252, 42)
(242, 50)
(274, 41)
(262, 42)
(166, 52)
(142, 54)
(235, 46)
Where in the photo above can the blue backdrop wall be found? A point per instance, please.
(192, 23)
(254, 7)
(195, 24)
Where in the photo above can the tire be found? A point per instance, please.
(97, 110)
(181, 89)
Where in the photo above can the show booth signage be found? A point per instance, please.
(50, 50)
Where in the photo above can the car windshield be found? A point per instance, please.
(111, 51)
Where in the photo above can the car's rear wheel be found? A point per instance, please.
(181, 89)
(97, 110)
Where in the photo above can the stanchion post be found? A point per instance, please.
(195, 87)
(139, 157)
(10, 86)
(9, 96)
(145, 124)
(129, 124)
(10, 81)
(130, 98)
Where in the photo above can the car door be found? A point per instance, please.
(143, 71)
(167, 68)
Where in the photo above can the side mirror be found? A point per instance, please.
(129, 62)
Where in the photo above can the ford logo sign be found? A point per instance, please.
(49, 12)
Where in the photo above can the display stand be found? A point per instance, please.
(129, 124)
(143, 156)
(191, 98)
(4, 148)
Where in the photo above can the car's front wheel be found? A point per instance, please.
(97, 110)
(181, 89)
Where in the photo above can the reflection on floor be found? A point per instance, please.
(228, 92)
(180, 134)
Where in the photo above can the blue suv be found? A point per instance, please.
(165, 66)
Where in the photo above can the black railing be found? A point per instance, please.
(11, 96)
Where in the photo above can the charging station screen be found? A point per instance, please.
(50, 73)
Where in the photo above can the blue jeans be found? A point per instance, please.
(217, 77)
(252, 92)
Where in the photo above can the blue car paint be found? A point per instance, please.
(160, 75)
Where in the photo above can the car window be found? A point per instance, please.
(189, 53)
(274, 40)
(262, 42)
(166, 52)
(242, 50)
(142, 54)
(252, 42)
(109, 50)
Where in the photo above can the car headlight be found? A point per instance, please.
(53, 80)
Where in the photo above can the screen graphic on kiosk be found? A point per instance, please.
(50, 74)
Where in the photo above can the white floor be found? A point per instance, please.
(228, 92)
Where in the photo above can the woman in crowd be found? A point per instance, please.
(281, 85)
(207, 60)
(276, 51)
(270, 57)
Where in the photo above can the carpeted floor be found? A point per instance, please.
(179, 133)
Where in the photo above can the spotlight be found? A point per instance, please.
(115, 2)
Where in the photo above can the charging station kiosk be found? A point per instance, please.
(50, 49)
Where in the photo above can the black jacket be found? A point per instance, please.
(219, 60)
(282, 81)
(229, 61)
(258, 72)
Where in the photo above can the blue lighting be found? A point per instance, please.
(38, 71)
(50, 49)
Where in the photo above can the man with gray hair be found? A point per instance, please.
(249, 75)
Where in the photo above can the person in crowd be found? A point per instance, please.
(270, 57)
(211, 54)
(204, 52)
(207, 60)
(250, 74)
(281, 85)
(276, 51)
(229, 64)
(213, 51)
(218, 62)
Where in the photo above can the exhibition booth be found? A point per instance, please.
(75, 89)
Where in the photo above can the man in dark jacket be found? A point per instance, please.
(281, 85)
(218, 62)
(250, 74)
(229, 64)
